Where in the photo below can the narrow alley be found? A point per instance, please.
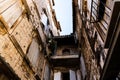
(32, 47)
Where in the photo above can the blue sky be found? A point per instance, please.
(63, 9)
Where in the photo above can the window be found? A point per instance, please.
(34, 53)
(42, 25)
(37, 77)
(101, 9)
(45, 22)
(45, 12)
(51, 33)
(66, 51)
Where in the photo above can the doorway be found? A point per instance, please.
(65, 76)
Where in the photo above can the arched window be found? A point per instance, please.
(66, 51)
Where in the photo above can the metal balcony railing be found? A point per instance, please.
(98, 11)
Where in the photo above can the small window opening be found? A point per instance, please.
(37, 77)
(66, 51)
(44, 10)
(42, 25)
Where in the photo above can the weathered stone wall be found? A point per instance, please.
(12, 57)
(14, 43)
(23, 33)
(46, 4)
(90, 62)
(34, 16)
(19, 25)
(73, 50)
(94, 33)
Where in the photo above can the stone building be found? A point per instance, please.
(25, 27)
(31, 47)
(99, 38)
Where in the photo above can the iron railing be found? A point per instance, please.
(98, 10)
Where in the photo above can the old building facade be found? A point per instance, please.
(25, 27)
(100, 33)
(31, 47)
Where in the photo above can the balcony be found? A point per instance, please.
(71, 61)
(65, 53)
